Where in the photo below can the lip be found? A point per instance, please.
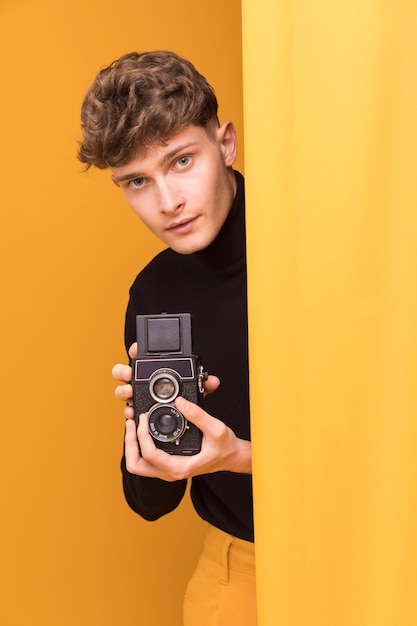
(184, 226)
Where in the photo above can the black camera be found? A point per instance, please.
(164, 369)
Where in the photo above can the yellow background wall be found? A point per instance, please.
(330, 100)
(71, 552)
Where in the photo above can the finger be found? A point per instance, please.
(155, 461)
(132, 452)
(129, 412)
(124, 392)
(144, 458)
(133, 350)
(146, 442)
(195, 414)
(135, 461)
(145, 439)
(149, 451)
(122, 372)
(211, 384)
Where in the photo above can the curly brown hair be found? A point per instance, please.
(142, 99)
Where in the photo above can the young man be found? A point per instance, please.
(151, 119)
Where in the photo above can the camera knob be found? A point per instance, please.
(202, 376)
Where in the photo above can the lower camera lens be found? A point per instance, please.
(165, 422)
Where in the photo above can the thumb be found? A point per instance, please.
(191, 411)
(130, 432)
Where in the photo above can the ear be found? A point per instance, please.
(226, 137)
(115, 181)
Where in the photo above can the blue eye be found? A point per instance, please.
(137, 182)
(183, 161)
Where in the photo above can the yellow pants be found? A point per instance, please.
(222, 589)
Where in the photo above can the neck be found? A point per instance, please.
(230, 244)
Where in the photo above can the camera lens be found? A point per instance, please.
(164, 385)
(164, 388)
(165, 422)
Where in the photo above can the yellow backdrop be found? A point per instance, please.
(330, 100)
(71, 552)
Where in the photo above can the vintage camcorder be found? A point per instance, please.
(164, 369)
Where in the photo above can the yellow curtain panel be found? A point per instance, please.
(330, 101)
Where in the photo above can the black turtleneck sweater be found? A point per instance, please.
(211, 285)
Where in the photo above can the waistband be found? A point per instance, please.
(230, 553)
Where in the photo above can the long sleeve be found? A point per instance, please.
(151, 497)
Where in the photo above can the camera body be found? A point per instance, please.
(164, 369)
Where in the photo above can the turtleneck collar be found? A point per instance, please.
(230, 244)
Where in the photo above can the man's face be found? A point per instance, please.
(183, 191)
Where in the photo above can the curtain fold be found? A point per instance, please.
(330, 101)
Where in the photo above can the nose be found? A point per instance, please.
(170, 199)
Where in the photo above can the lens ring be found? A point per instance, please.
(165, 422)
(164, 385)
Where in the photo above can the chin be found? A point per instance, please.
(189, 247)
(193, 242)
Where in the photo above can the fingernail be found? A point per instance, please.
(181, 403)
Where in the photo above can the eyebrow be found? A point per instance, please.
(167, 157)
